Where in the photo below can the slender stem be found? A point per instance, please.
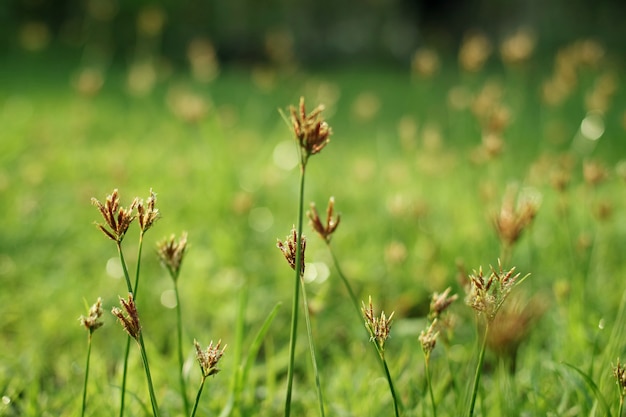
(139, 250)
(621, 405)
(479, 365)
(86, 374)
(195, 405)
(390, 381)
(127, 351)
(430, 386)
(312, 350)
(181, 362)
(296, 295)
(144, 358)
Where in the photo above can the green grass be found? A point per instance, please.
(59, 149)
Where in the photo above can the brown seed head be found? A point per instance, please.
(487, 294)
(440, 302)
(312, 131)
(147, 214)
(209, 359)
(619, 372)
(428, 338)
(325, 231)
(91, 322)
(594, 173)
(289, 249)
(171, 253)
(117, 218)
(378, 327)
(511, 221)
(128, 317)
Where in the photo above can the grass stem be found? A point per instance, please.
(479, 366)
(296, 294)
(86, 375)
(430, 385)
(181, 360)
(195, 405)
(146, 365)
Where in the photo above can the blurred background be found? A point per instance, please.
(310, 32)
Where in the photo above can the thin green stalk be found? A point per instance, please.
(621, 406)
(390, 381)
(479, 366)
(195, 405)
(144, 358)
(430, 386)
(125, 369)
(296, 295)
(345, 281)
(312, 350)
(86, 374)
(181, 362)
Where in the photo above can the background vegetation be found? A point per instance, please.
(423, 150)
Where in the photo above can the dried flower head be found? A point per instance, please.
(91, 322)
(147, 214)
(171, 253)
(378, 327)
(511, 221)
(117, 218)
(428, 338)
(312, 131)
(487, 294)
(289, 249)
(325, 231)
(474, 51)
(594, 173)
(619, 372)
(128, 318)
(209, 359)
(440, 302)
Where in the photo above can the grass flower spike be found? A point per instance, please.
(147, 214)
(128, 318)
(289, 249)
(440, 302)
(208, 360)
(312, 131)
(487, 294)
(324, 230)
(619, 372)
(117, 218)
(92, 322)
(379, 327)
(171, 253)
(511, 221)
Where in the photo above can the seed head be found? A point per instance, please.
(378, 327)
(325, 231)
(487, 294)
(128, 318)
(147, 213)
(428, 338)
(440, 302)
(619, 371)
(288, 249)
(312, 131)
(209, 359)
(171, 253)
(117, 218)
(91, 322)
(511, 221)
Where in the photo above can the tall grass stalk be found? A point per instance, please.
(296, 295)
(84, 406)
(430, 384)
(477, 373)
(91, 323)
(146, 365)
(127, 349)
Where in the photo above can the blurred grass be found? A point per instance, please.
(413, 202)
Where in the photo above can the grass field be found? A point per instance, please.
(418, 165)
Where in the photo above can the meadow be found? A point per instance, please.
(421, 162)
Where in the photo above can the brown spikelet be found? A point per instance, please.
(116, 218)
(311, 130)
(209, 359)
(289, 248)
(324, 230)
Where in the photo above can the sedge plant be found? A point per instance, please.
(619, 372)
(486, 295)
(117, 221)
(379, 329)
(312, 134)
(91, 323)
(325, 230)
(208, 360)
(171, 254)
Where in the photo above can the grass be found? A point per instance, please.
(412, 209)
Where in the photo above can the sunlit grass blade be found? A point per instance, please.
(593, 387)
